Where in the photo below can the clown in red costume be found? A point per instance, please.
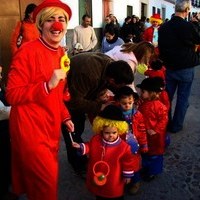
(111, 163)
(35, 91)
(151, 33)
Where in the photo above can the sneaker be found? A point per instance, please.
(134, 189)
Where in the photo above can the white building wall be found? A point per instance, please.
(195, 9)
(159, 4)
(169, 8)
(97, 13)
(119, 10)
(75, 13)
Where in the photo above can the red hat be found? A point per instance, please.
(52, 3)
(156, 17)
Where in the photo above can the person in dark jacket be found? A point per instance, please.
(126, 32)
(5, 148)
(176, 41)
(90, 73)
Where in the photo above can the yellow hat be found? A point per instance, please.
(157, 18)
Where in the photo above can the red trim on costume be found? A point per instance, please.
(47, 45)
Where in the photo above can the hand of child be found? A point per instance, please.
(70, 125)
(76, 145)
(127, 180)
(58, 74)
(151, 132)
(144, 150)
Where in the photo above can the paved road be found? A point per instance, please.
(181, 177)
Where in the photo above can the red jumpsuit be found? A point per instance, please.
(156, 73)
(155, 118)
(120, 159)
(148, 36)
(35, 120)
(139, 131)
(164, 98)
(29, 32)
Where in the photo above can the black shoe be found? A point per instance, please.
(174, 131)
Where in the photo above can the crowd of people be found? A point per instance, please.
(47, 94)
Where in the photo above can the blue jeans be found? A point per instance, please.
(180, 81)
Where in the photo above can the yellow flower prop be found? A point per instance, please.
(141, 68)
(65, 63)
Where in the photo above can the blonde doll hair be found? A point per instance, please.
(48, 12)
(99, 123)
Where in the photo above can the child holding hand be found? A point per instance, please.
(156, 119)
(136, 135)
(111, 163)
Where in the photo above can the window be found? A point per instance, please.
(85, 7)
(153, 10)
(129, 10)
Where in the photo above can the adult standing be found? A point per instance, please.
(176, 41)
(151, 34)
(35, 93)
(85, 34)
(126, 30)
(90, 74)
(136, 29)
(25, 30)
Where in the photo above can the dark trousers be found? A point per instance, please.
(77, 161)
(5, 158)
(180, 81)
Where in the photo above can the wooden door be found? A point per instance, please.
(11, 12)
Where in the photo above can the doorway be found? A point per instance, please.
(11, 12)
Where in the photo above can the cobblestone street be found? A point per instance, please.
(181, 177)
